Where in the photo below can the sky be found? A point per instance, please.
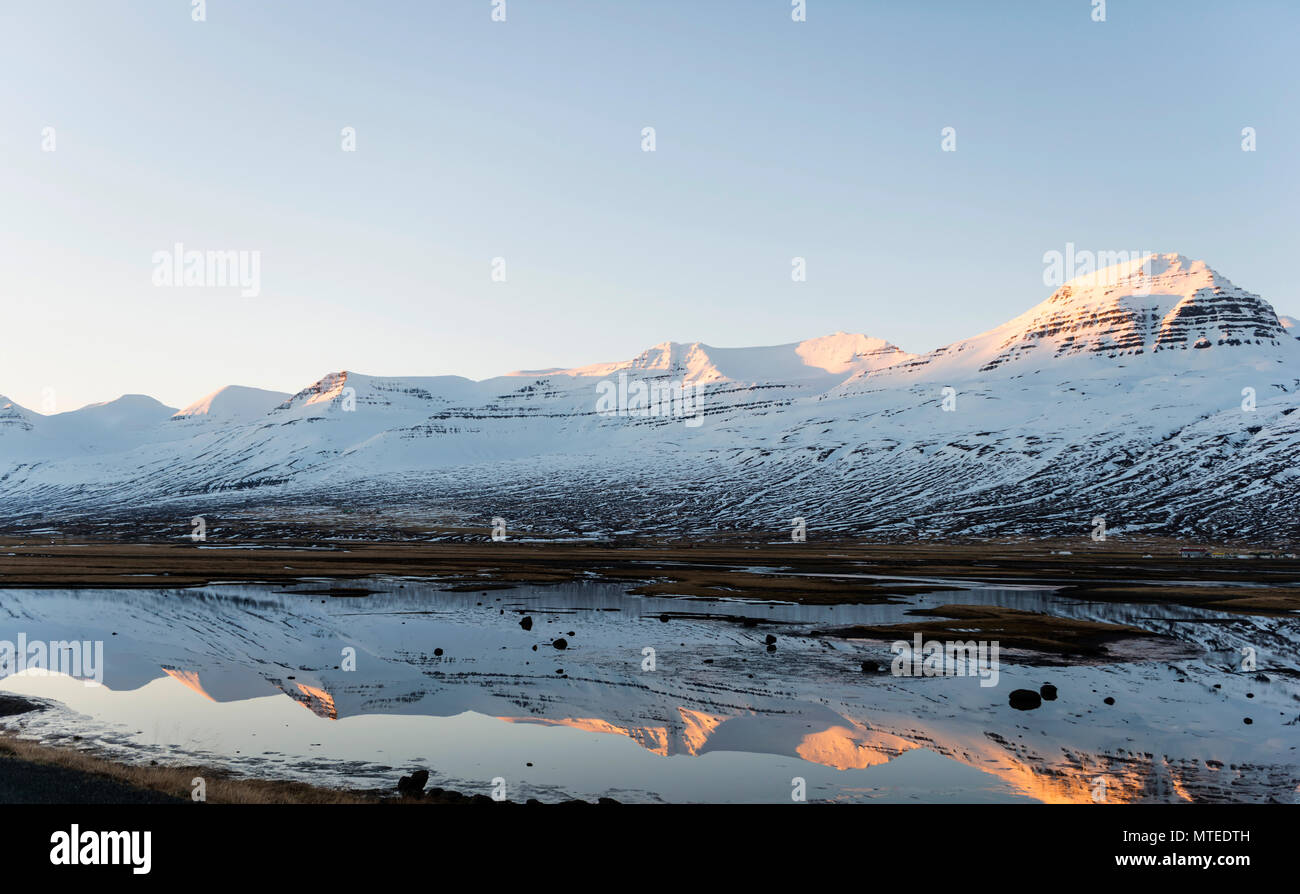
(522, 140)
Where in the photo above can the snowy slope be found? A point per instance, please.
(1161, 398)
(234, 403)
(817, 360)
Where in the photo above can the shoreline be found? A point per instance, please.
(33, 772)
(821, 574)
(828, 573)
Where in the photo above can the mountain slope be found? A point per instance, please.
(1160, 398)
(233, 403)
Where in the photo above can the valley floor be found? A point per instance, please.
(1128, 571)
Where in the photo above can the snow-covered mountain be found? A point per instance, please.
(234, 402)
(1159, 395)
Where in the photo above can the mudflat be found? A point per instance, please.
(822, 573)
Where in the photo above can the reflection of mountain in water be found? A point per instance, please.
(1170, 736)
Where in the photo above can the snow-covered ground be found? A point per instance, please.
(1162, 399)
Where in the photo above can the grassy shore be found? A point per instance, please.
(813, 573)
(33, 772)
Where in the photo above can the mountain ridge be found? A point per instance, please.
(1162, 399)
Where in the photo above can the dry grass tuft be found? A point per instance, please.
(222, 787)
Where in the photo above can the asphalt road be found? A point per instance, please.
(24, 782)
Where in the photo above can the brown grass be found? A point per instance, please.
(222, 787)
(813, 572)
(1011, 628)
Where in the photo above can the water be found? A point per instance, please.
(252, 678)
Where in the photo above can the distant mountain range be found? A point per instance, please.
(1162, 399)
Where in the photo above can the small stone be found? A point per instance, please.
(1025, 699)
(413, 786)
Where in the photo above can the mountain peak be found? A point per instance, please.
(836, 355)
(1145, 305)
(323, 390)
(233, 402)
(13, 417)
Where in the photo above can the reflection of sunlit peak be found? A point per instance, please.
(1099, 780)
(189, 679)
(652, 738)
(851, 749)
(320, 701)
(316, 700)
(698, 727)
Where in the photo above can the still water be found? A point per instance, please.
(655, 699)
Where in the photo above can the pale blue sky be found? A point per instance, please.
(522, 140)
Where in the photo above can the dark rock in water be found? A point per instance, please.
(1247, 721)
(526, 623)
(1048, 692)
(1108, 700)
(1025, 700)
(437, 651)
(769, 639)
(561, 643)
(1250, 695)
(413, 786)
(771, 647)
(870, 667)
